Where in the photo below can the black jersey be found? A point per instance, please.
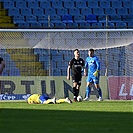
(76, 66)
(1, 59)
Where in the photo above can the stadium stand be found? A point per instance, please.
(121, 8)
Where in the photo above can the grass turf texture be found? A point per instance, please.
(78, 117)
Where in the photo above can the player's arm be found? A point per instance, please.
(98, 67)
(85, 68)
(68, 72)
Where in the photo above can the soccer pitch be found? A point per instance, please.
(78, 117)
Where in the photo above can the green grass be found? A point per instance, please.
(79, 117)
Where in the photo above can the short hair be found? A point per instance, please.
(76, 50)
(91, 50)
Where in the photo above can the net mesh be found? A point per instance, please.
(47, 52)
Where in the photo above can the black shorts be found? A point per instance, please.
(77, 79)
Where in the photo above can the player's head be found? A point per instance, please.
(91, 52)
(76, 53)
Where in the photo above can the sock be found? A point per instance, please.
(88, 90)
(77, 92)
(74, 91)
(99, 92)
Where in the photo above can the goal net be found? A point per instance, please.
(39, 52)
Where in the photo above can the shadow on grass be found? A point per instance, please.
(60, 121)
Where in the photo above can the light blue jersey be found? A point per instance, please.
(92, 64)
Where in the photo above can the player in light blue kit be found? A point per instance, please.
(92, 66)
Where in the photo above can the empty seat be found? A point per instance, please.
(36, 25)
(105, 4)
(55, 18)
(26, 11)
(116, 4)
(57, 4)
(98, 11)
(91, 18)
(122, 11)
(74, 11)
(50, 11)
(72, 25)
(80, 4)
(8, 4)
(110, 11)
(23, 25)
(127, 18)
(18, 19)
(102, 18)
(47, 25)
(43, 19)
(45, 4)
(62, 11)
(69, 4)
(86, 11)
(128, 4)
(115, 18)
(67, 18)
(21, 4)
(33, 4)
(84, 25)
(38, 12)
(120, 25)
(79, 18)
(13, 12)
(108, 25)
(92, 4)
(97, 25)
(59, 25)
(130, 25)
(31, 19)
(131, 11)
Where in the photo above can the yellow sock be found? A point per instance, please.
(61, 101)
(48, 101)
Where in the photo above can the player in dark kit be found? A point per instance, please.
(2, 65)
(76, 65)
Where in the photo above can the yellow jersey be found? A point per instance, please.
(34, 98)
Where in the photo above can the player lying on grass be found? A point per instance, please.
(45, 99)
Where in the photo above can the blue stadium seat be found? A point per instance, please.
(91, 18)
(128, 4)
(105, 4)
(116, 4)
(13, 12)
(21, 4)
(115, 18)
(67, 18)
(38, 12)
(45, 4)
(43, 19)
(98, 11)
(84, 25)
(74, 11)
(50, 11)
(31, 19)
(109, 25)
(131, 11)
(127, 18)
(92, 4)
(69, 4)
(122, 11)
(35, 25)
(86, 11)
(102, 18)
(120, 25)
(55, 19)
(26, 11)
(130, 25)
(57, 4)
(110, 11)
(45, 25)
(18, 19)
(72, 25)
(97, 25)
(79, 18)
(23, 25)
(62, 11)
(33, 4)
(8, 4)
(59, 25)
(80, 4)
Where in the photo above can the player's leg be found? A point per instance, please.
(46, 100)
(75, 91)
(64, 100)
(88, 91)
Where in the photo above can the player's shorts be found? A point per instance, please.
(93, 79)
(77, 79)
(43, 98)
